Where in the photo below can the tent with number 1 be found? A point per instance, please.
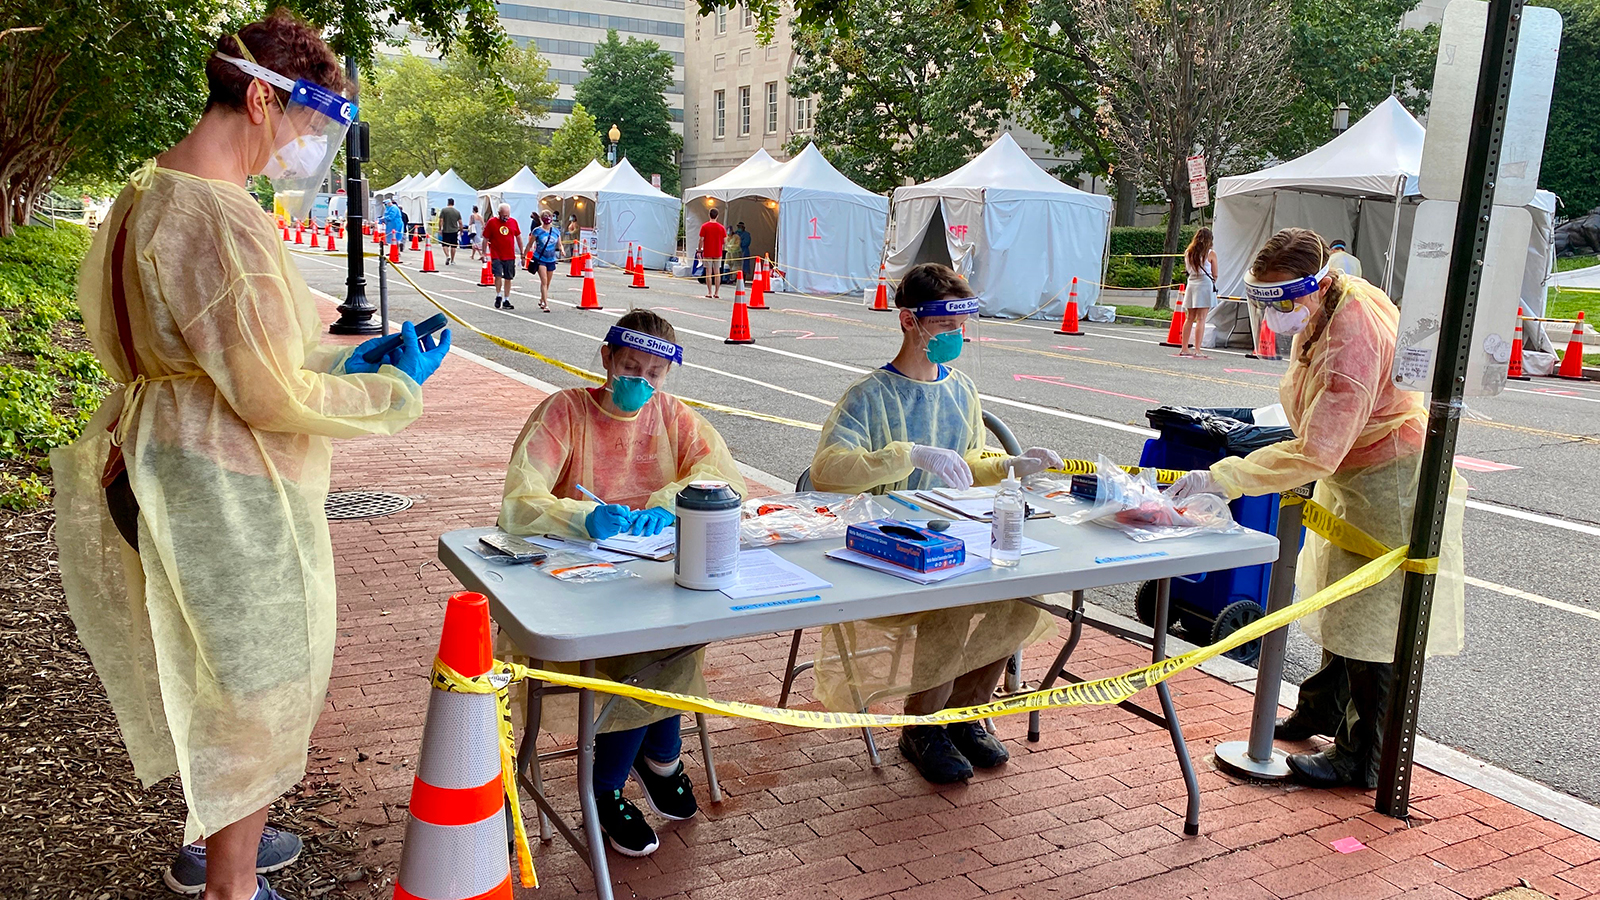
(822, 230)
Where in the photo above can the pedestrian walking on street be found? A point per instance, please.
(475, 233)
(546, 241)
(1200, 261)
(502, 239)
(449, 230)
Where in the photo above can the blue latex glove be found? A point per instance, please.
(608, 520)
(357, 363)
(649, 522)
(420, 362)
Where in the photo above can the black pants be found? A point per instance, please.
(1348, 698)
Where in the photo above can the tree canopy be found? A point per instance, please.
(1572, 142)
(626, 87)
(574, 145)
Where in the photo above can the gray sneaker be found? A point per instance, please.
(187, 874)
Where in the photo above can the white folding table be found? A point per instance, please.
(550, 620)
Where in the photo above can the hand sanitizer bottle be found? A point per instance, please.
(1005, 531)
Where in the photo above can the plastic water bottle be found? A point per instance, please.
(1005, 531)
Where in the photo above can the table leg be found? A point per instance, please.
(528, 754)
(1056, 667)
(712, 784)
(1158, 652)
(586, 798)
(855, 695)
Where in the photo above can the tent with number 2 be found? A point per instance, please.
(822, 230)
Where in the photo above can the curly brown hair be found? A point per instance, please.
(1300, 252)
(282, 42)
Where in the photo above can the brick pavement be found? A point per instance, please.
(1092, 810)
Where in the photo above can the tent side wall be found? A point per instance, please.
(621, 219)
(828, 244)
(1033, 247)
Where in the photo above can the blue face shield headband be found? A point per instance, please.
(649, 343)
(1281, 295)
(949, 306)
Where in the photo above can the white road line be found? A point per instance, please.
(1532, 598)
(1511, 512)
(1554, 393)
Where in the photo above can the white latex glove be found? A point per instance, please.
(1197, 482)
(948, 465)
(1033, 461)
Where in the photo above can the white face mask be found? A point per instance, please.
(1291, 322)
(299, 158)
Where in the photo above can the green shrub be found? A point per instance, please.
(1125, 271)
(1147, 242)
(22, 494)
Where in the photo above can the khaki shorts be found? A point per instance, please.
(713, 265)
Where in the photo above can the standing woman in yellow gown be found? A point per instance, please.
(194, 547)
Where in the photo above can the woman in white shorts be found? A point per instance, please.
(1200, 260)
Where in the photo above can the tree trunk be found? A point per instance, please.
(1177, 210)
(1127, 201)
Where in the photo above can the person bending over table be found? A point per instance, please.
(636, 447)
(1360, 439)
(916, 424)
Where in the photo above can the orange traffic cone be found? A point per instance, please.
(299, 235)
(331, 248)
(1514, 372)
(1266, 343)
(379, 234)
(366, 229)
(341, 231)
(487, 278)
(286, 234)
(758, 293)
(427, 257)
(315, 240)
(1175, 331)
(1572, 360)
(628, 266)
(1069, 316)
(766, 274)
(394, 253)
(739, 326)
(589, 299)
(880, 300)
(638, 271)
(455, 846)
(577, 263)
(414, 242)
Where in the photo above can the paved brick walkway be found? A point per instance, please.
(1093, 810)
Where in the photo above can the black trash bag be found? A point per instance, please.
(1230, 430)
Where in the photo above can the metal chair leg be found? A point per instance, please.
(712, 784)
(872, 747)
(789, 671)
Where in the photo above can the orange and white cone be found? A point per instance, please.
(286, 234)
(1266, 343)
(455, 846)
(576, 270)
(766, 274)
(299, 235)
(427, 257)
(315, 242)
(880, 299)
(739, 325)
(331, 248)
(486, 279)
(1572, 361)
(638, 271)
(628, 265)
(1175, 331)
(394, 253)
(1069, 316)
(414, 241)
(589, 299)
(758, 293)
(1514, 371)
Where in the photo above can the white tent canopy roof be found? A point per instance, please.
(754, 170)
(809, 171)
(595, 179)
(447, 183)
(1368, 160)
(399, 185)
(524, 182)
(1003, 171)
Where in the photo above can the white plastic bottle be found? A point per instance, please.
(1005, 531)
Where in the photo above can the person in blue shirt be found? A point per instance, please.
(749, 264)
(545, 251)
(393, 224)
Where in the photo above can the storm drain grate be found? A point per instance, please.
(364, 504)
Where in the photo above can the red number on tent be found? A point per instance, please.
(814, 236)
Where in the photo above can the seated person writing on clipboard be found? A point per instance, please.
(636, 447)
(917, 424)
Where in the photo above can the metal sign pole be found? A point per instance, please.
(1444, 409)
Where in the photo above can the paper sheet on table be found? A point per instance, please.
(974, 503)
(762, 573)
(973, 564)
(656, 546)
(976, 535)
(589, 547)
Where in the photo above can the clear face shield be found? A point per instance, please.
(950, 328)
(309, 134)
(637, 366)
(1280, 301)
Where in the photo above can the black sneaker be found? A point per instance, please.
(668, 796)
(928, 747)
(498, 303)
(625, 827)
(981, 748)
(508, 304)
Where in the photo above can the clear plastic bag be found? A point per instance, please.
(1136, 506)
(805, 516)
(577, 567)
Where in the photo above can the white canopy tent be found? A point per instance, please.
(622, 208)
(1018, 234)
(1360, 187)
(521, 190)
(423, 201)
(823, 230)
(398, 186)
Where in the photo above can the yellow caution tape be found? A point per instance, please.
(1348, 537)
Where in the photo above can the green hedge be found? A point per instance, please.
(50, 384)
(1126, 271)
(1148, 242)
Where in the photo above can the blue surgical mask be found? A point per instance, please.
(630, 393)
(945, 347)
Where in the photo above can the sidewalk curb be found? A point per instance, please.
(1523, 793)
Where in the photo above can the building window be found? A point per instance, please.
(744, 110)
(802, 113)
(772, 107)
(722, 20)
(719, 62)
(744, 57)
(748, 19)
(719, 116)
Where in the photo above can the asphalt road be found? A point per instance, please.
(1524, 695)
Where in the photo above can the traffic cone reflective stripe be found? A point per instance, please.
(1514, 372)
(1266, 343)
(880, 300)
(1069, 316)
(427, 258)
(589, 299)
(1175, 331)
(739, 326)
(1572, 360)
(487, 278)
(455, 845)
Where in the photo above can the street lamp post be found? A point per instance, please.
(1341, 118)
(616, 135)
(357, 315)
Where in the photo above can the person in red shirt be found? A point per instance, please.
(504, 239)
(713, 235)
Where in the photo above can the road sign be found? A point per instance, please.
(1199, 195)
(655, 180)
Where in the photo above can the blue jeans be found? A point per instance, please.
(615, 751)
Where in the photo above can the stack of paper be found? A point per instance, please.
(974, 563)
(762, 572)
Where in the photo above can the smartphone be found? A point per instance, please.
(513, 548)
(388, 344)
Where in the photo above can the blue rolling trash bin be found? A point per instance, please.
(1212, 605)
